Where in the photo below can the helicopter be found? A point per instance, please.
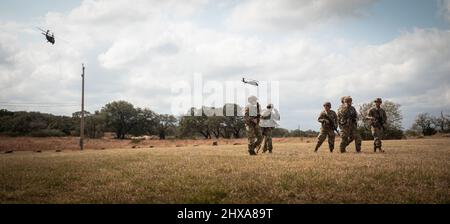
(50, 38)
(250, 81)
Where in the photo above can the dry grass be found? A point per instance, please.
(72, 143)
(412, 171)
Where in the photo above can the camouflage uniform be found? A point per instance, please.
(378, 120)
(347, 118)
(341, 110)
(267, 133)
(254, 134)
(329, 124)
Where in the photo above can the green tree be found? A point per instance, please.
(233, 121)
(146, 122)
(121, 117)
(166, 124)
(424, 124)
(190, 125)
(393, 129)
(442, 123)
(95, 125)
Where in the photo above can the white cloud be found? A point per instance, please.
(444, 7)
(293, 14)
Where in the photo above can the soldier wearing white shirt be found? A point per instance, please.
(268, 122)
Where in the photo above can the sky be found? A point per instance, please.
(318, 50)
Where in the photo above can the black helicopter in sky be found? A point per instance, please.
(50, 37)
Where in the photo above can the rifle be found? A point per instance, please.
(258, 114)
(248, 118)
(333, 125)
(376, 121)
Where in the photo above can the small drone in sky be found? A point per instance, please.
(49, 36)
(250, 82)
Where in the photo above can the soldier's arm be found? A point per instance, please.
(276, 114)
(335, 119)
(384, 117)
(370, 115)
(321, 118)
(265, 115)
(339, 115)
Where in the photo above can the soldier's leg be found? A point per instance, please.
(264, 142)
(358, 140)
(379, 136)
(350, 140)
(331, 137)
(251, 139)
(344, 140)
(320, 139)
(375, 138)
(258, 136)
(269, 140)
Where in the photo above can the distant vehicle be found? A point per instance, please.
(49, 36)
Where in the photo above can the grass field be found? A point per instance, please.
(411, 171)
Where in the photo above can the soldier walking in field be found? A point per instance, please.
(328, 119)
(347, 118)
(378, 119)
(342, 108)
(269, 117)
(251, 120)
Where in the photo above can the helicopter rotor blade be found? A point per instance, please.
(41, 29)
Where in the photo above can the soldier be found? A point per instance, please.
(328, 118)
(377, 117)
(347, 118)
(268, 122)
(251, 120)
(341, 108)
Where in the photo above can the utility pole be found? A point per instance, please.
(82, 110)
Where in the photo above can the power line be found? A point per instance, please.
(43, 106)
(37, 103)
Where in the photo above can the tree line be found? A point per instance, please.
(427, 124)
(125, 120)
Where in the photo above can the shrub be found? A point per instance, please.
(390, 133)
(135, 140)
(12, 134)
(47, 133)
